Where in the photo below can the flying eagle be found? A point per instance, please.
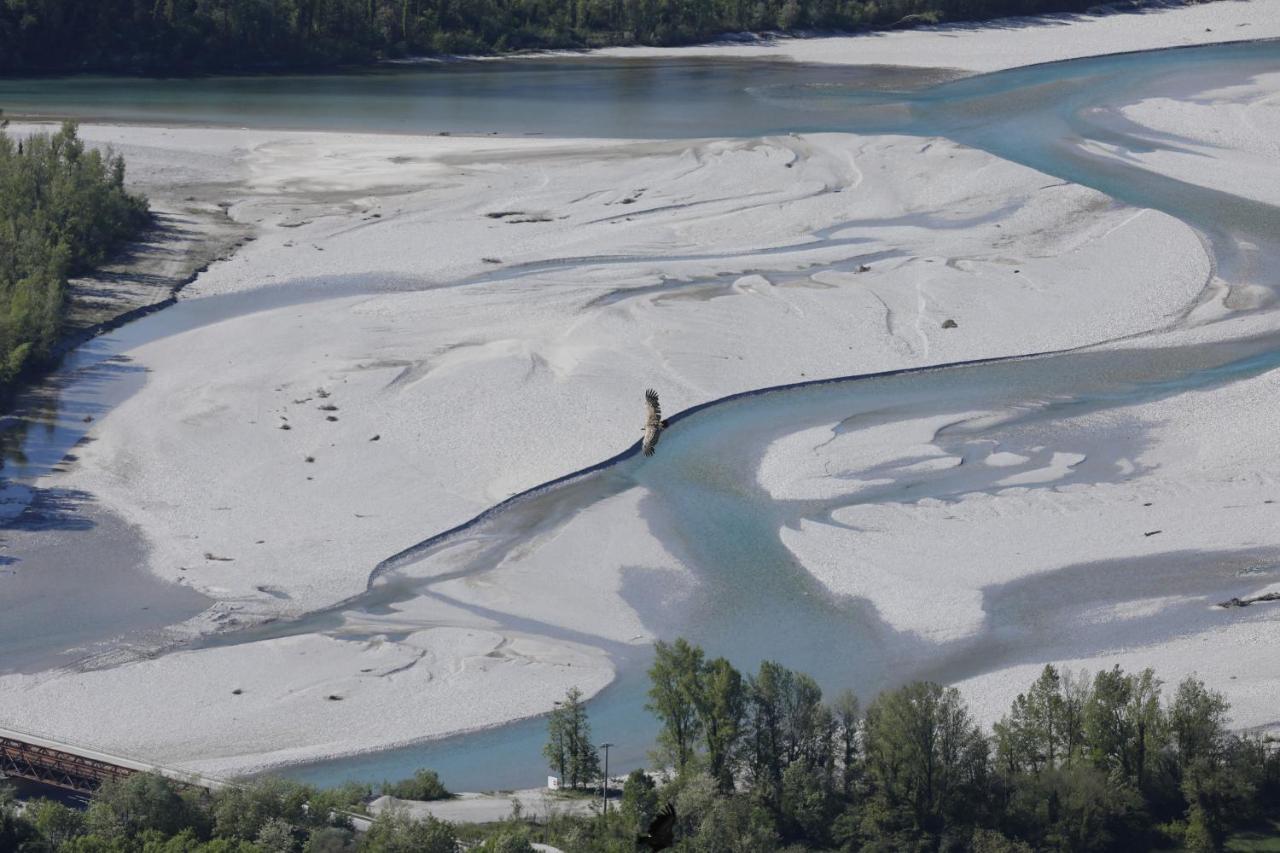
(662, 831)
(653, 423)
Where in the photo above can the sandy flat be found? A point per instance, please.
(1010, 42)
(441, 323)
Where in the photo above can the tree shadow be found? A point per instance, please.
(52, 509)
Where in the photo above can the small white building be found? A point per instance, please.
(553, 783)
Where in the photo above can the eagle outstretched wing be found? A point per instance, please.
(662, 831)
(653, 424)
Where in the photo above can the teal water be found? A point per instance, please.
(754, 601)
(557, 97)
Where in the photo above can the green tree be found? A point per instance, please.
(809, 804)
(423, 785)
(732, 824)
(848, 716)
(1124, 723)
(277, 836)
(569, 749)
(331, 839)
(62, 210)
(926, 762)
(123, 808)
(769, 696)
(719, 699)
(1076, 808)
(395, 832)
(243, 811)
(557, 748)
(673, 678)
(15, 831)
(1197, 721)
(55, 822)
(639, 800)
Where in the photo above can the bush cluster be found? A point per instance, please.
(63, 209)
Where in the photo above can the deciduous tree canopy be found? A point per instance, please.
(201, 35)
(62, 210)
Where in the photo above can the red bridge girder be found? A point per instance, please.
(52, 766)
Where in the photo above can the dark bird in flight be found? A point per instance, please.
(653, 423)
(662, 830)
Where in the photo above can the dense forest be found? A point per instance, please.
(205, 35)
(760, 763)
(62, 210)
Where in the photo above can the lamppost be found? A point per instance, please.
(604, 785)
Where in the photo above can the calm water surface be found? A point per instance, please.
(655, 99)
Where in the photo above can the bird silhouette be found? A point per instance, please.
(662, 830)
(653, 424)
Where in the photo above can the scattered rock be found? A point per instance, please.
(285, 426)
(334, 697)
(491, 260)
(311, 459)
(863, 268)
(1152, 532)
(376, 438)
(87, 418)
(331, 418)
(328, 407)
(208, 555)
(236, 692)
(321, 393)
(949, 324)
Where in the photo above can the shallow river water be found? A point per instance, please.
(703, 498)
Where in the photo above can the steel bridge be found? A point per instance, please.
(71, 768)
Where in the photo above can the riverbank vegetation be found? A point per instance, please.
(147, 813)
(1108, 761)
(760, 762)
(185, 36)
(63, 209)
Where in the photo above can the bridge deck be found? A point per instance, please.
(38, 759)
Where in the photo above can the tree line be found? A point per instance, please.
(205, 35)
(63, 209)
(1111, 761)
(763, 763)
(147, 813)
